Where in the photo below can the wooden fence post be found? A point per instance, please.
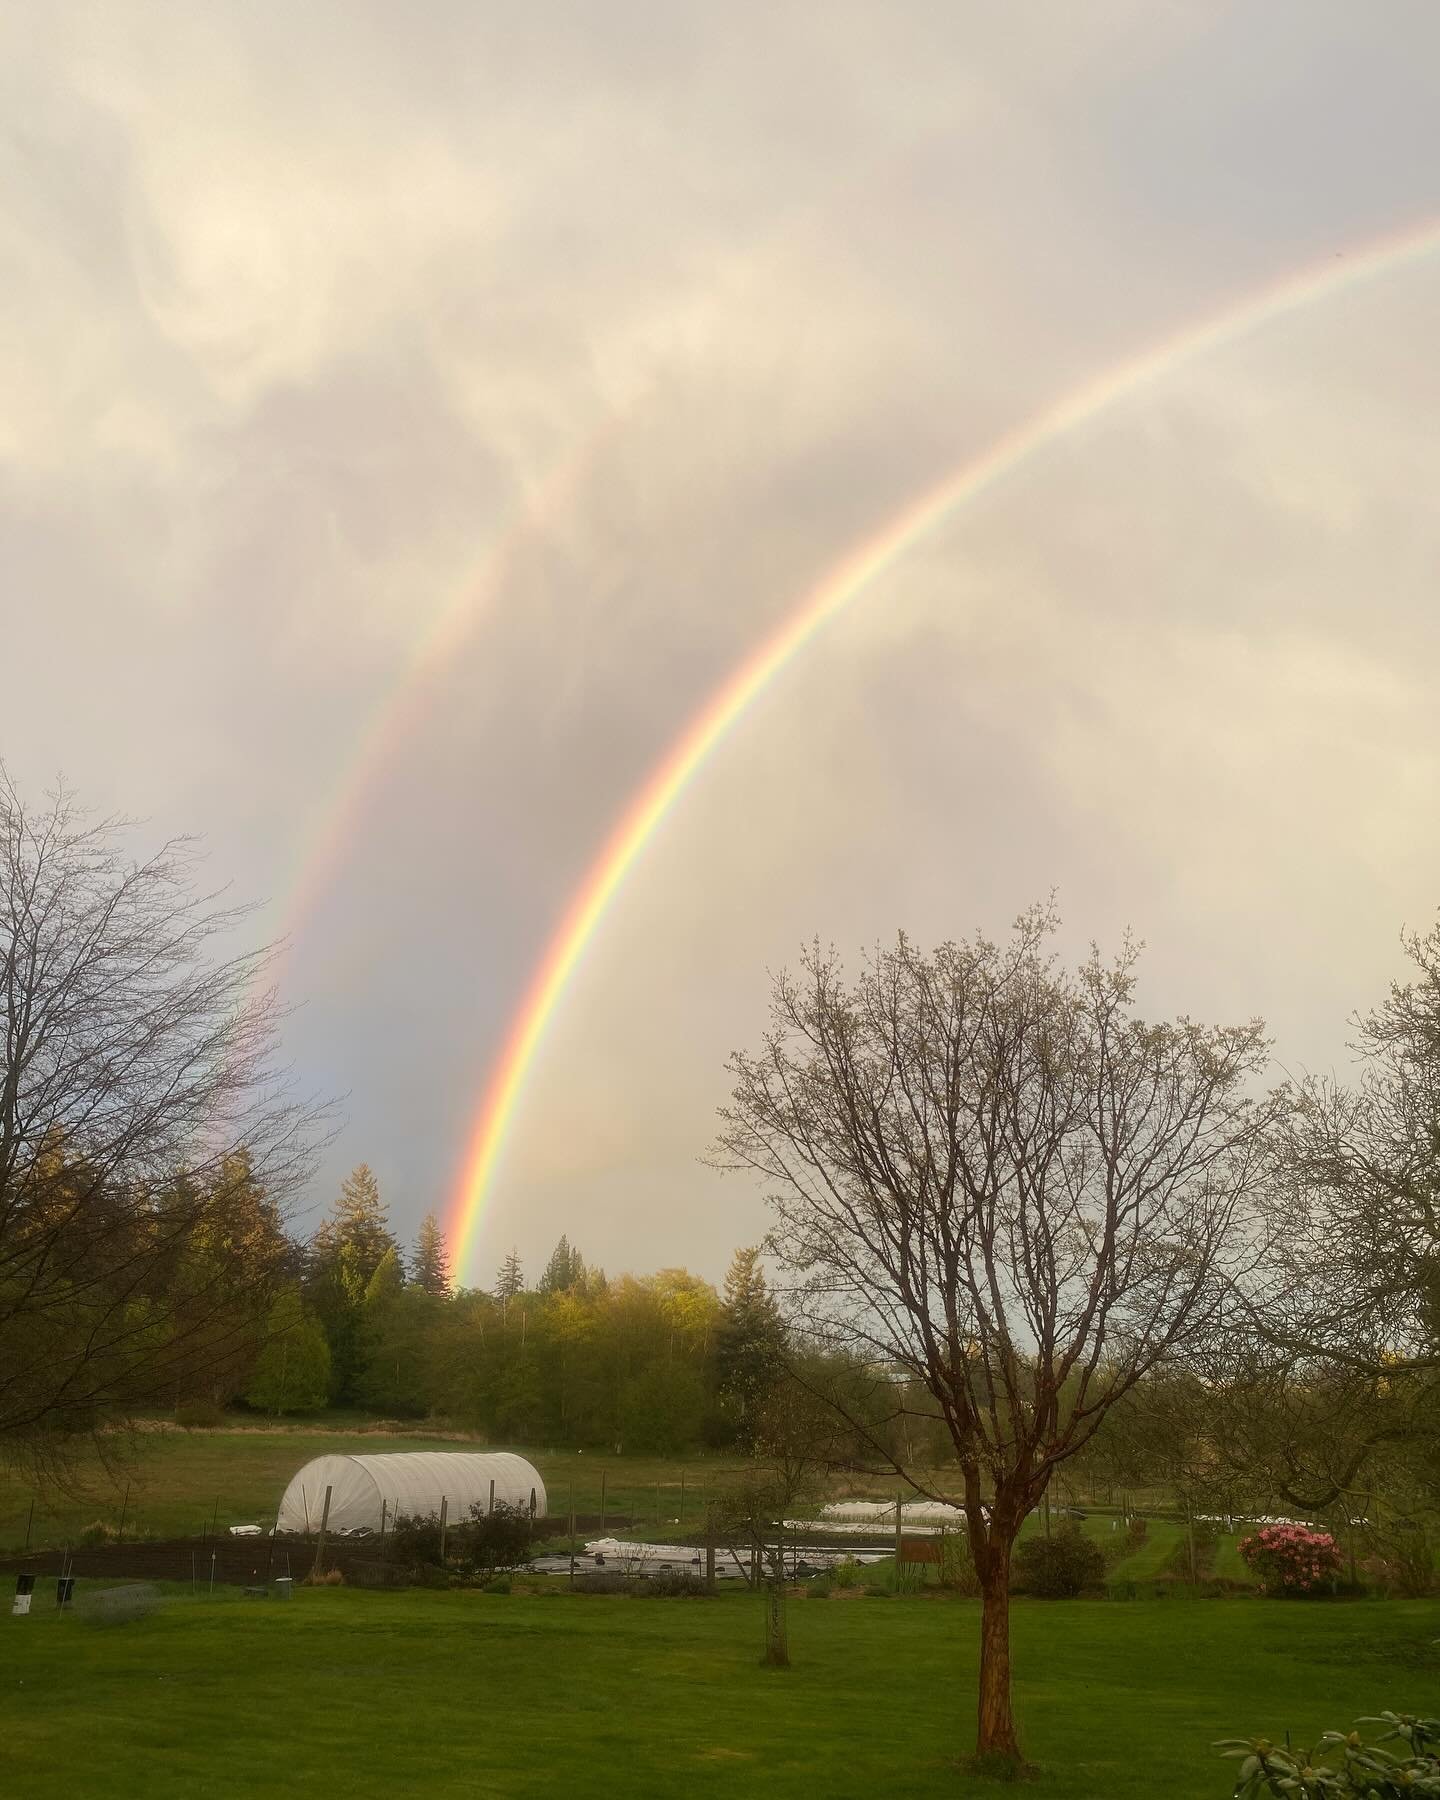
(602, 1503)
(491, 1507)
(384, 1508)
(444, 1515)
(682, 1499)
(710, 1549)
(899, 1524)
(319, 1568)
(124, 1508)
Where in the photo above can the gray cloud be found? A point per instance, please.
(583, 341)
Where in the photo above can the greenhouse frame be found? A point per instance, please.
(365, 1491)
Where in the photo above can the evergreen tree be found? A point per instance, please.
(357, 1234)
(750, 1344)
(509, 1279)
(344, 1255)
(293, 1370)
(431, 1261)
(565, 1269)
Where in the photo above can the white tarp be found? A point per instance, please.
(411, 1485)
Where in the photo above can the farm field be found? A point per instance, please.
(485, 1695)
(176, 1478)
(179, 1481)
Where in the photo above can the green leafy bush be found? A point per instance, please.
(1137, 1533)
(489, 1544)
(1404, 1759)
(847, 1573)
(1059, 1567)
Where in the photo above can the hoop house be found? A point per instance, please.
(410, 1485)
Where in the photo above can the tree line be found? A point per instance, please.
(1019, 1228)
(659, 1363)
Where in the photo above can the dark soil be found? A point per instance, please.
(239, 1562)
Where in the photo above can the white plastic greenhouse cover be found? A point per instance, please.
(410, 1484)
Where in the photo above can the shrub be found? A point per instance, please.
(489, 1544)
(957, 1566)
(1137, 1533)
(669, 1584)
(1291, 1559)
(819, 1589)
(98, 1534)
(1059, 1567)
(199, 1415)
(500, 1584)
(494, 1543)
(1342, 1764)
(847, 1573)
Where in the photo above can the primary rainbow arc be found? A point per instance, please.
(841, 584)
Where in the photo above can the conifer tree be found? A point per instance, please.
(357, 1234)
(750, 1344)
(509, 1279)
(431, 1261)
(565, 1269)
(344, 1255)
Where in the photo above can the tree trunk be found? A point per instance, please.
(996, 1735)
(777, 1648)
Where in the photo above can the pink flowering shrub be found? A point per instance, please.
(1291, 1559)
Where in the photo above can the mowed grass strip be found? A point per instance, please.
(465, 1694)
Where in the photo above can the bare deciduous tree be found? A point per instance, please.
(147, 1130)
(794, 1445)
(996, 1181)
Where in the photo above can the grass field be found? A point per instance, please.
(179, 1480)
(481, 1695)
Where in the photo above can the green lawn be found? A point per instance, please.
(339, 1691)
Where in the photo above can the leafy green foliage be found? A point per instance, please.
(292, 1373)
(487, 1545)
(1403, 1759)
(1059, 1567)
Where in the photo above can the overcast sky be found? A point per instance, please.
(579, 340)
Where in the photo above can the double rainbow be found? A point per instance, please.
(841, 584)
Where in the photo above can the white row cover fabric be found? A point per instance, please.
(878, 1512)
(410, 1485)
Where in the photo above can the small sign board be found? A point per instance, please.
(920, 1550)
(24, 1593)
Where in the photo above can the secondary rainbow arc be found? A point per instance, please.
(842, 584)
